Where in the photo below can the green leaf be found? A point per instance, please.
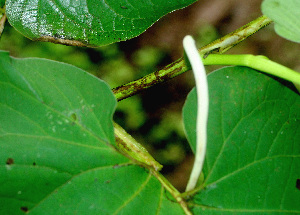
(108, 190)
(253, 153)
(87, 22)
(285, 14)
(2, 3)
(58, 153)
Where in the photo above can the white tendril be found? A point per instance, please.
(202, 108)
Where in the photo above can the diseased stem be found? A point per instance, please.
(130, 147)
(136, 152)
(168, 72)
(178, 67)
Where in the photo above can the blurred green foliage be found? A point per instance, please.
(2, 3)
(206, 34)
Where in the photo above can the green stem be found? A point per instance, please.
(178, 67)
(170, 71)
(136, 152)
(260, 63)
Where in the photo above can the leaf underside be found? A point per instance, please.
(285, 14)
(87, 22)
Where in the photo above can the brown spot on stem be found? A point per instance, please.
(137, 86)
(9, 161)
(122, 145)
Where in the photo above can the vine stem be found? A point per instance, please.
(178, 67)
(138, 154)
(174, 192)
(133, 149)
(260, 63)
(202, 108)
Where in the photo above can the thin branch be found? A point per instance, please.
(178, 67)
(260, 63)
(131, 148)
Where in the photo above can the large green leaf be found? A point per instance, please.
(87, 22)
(285, 14)
(58, 153)
(253, 153)
(109, 190)
(2, 3)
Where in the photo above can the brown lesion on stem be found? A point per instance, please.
(230, 40)
(170, 71)
(134, 150)
(178, 67)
